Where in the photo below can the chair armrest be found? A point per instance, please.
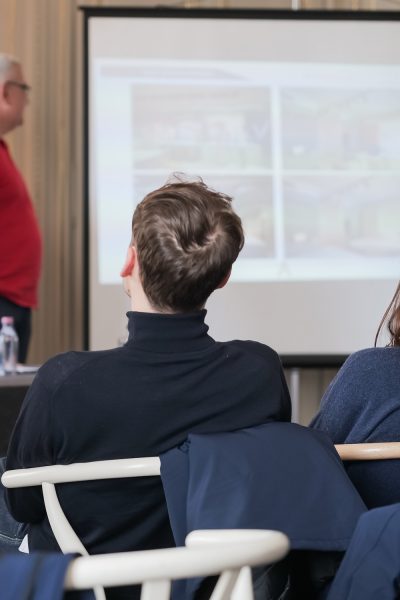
(104, 469)
(369, 451)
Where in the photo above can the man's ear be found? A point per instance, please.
(225, 280)
(5, 92)
(129, 262)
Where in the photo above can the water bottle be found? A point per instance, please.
(8, 346)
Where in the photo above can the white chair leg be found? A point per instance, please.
(156, 590)
(243, 589)
(234, 585)
(225, 585)
(61, 528)
(63, 532)
(99, 593)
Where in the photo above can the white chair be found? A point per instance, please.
(229, 553)
(48, 476)
(369, 451)
(207, 553)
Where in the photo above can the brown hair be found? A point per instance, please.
(187, 236)
(392, 318)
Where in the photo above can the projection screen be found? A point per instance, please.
(297, 116)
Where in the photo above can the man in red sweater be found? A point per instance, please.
(20, 242)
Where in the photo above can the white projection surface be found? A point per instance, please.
(298, 120)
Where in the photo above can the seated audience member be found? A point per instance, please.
(362, 404)
(169, 379)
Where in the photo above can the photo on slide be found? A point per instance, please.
(337, 217)
(341, 129)
(201, 127)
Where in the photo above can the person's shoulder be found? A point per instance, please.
(253, 348)
(371, 357)
(361, 355)
(58, 369)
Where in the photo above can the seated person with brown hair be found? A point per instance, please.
(169, 379)
(362, 404)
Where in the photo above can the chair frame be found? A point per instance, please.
(229, 552)
(50, 475)
(369, 451)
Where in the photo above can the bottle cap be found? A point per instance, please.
(7, 320)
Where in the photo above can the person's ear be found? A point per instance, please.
(3, 93)
(129, 262)
(225, 280)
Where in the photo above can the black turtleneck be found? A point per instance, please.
(169, 379)
(155, 332)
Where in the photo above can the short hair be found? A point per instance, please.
(187, 236)
(7, 62)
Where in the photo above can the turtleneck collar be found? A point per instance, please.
(160, 332)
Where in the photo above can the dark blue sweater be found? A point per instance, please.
(362, 404)
(170, 378)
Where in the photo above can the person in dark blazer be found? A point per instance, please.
(370, 568)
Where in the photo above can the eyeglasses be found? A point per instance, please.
(22, 86)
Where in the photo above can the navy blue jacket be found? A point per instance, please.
(362, 404)
(371, 567)
(38, 576)
(275, 476)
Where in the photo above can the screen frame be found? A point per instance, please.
(307, 361)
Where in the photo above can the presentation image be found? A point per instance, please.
(335, 217)
(314, 171)
(341, 129)
(202, 127)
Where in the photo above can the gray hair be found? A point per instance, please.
(6, 63)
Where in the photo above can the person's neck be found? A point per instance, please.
(140, 303)
(4, 129)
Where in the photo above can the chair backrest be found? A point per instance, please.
(369, 451)
(228, 553)
(50, 475)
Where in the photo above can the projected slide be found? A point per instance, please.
(310, 154)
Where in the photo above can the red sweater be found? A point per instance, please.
(20, 242)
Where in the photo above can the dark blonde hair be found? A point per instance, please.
(392, 320)
(187, 236)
